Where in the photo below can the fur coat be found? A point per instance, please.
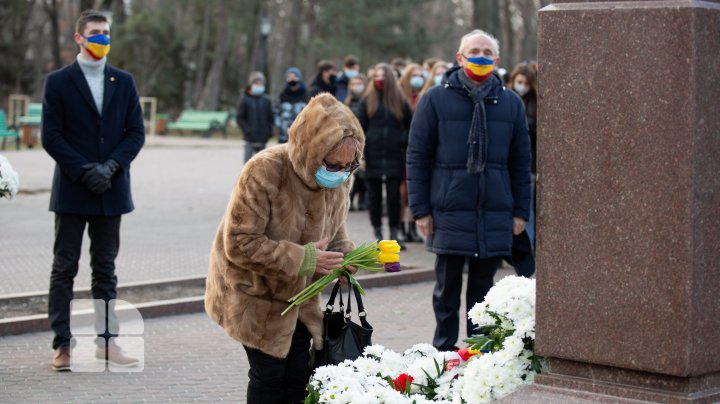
(275, 208)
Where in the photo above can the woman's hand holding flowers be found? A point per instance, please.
(326, 260)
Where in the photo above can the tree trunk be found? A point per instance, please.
(211, 93)
(505, 33)
(52, 11)
(486, 16)
(306, 35)
(202, 56)
(293, 38)
(86, 5)
(253, 50)
(530, 13)
(118, 11)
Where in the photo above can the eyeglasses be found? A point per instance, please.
(333, 168)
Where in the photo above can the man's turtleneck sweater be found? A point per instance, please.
(94, 71)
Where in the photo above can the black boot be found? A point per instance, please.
(394, 236)
(378, 233)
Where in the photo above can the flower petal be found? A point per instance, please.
(388, 257)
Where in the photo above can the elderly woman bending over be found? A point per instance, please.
(284, 224)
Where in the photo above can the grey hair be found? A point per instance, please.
(349, 142)
(478, 32)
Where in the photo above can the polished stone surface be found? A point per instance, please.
(629, 197)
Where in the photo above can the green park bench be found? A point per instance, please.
(30, 124)
(33, 116)
(201, 121)
(6, 133)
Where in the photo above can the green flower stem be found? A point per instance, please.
(363, 257)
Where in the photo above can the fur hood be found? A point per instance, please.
(275, 210)
(318, 128)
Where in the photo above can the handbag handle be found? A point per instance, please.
(331, 302)
(362, 314)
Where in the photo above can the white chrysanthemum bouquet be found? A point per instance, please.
(506, 320)
(506, 325)
(9, 180)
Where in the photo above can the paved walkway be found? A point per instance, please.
(180, 189)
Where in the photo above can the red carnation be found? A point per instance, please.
(402, 383)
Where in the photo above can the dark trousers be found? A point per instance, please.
(448, 287)
(392, 192)
(104, 232)
(275, 381)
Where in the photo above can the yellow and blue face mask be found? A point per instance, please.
(479, 68)
(98, 46)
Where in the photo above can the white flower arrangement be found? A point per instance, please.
(9, 180)
(421, 374)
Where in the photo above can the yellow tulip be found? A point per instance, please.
(386, 257)
(389, 246)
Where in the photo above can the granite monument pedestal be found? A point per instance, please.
(628, 279)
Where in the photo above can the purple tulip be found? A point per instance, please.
(392, 267)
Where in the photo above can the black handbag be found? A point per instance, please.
(342, 338)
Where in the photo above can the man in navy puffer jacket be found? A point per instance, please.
(468, 178)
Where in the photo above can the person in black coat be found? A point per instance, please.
(92, 126)
(468, 178)
(385, 117)
(324, 81)
(255, 115)
(291, 101)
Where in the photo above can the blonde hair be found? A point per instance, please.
(405, 82)
(430, 82)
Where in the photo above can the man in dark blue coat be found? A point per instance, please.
(92, 126)
(468, 178)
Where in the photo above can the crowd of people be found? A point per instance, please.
(384, 100)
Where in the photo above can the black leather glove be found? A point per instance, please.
(97, 177)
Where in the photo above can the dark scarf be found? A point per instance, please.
(478, 136)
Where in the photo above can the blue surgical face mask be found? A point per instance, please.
(329, 179)
(351, 73)
(416, 82)
(257, 89)
(438, 79)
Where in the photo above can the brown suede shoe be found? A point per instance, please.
(61, 359)
(115, 356)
